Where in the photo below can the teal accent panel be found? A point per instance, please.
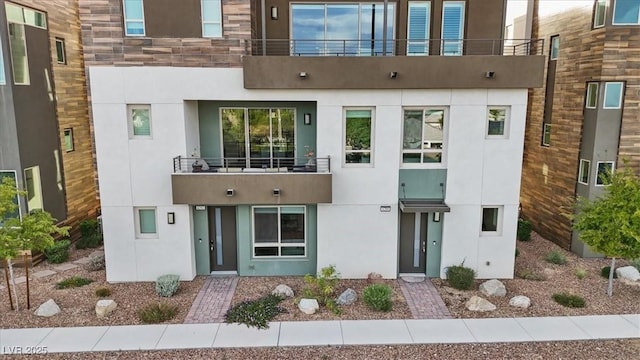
(248, 266)
(201, 241)
(209, 123)
(422, 183)
(434, 245)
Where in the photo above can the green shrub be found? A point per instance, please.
(527, 274)
(59, 252)
(569, 300)
(517, 252)
(581, 273)
(157, 313)
(167, 285)
(103, 291)
(635, 263)
(460, 277)
(524, 230)
(91, 236)
(96, 263)
(556, 257)
(378, 297)
(256, 313)
(73, 282)
(323, 287)
(604, 272)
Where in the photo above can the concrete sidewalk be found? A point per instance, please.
(311, 333)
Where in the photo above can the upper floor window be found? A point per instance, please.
(19, 59)
(358, 130)
(555, 47)
(498, 122)
(613, 95)
(3, 79)
(418, 27)
(139, 121)
(133, 18)
(626, 12)
(341, 28)
(546, 135)
(605, 170)
(26, 16)
(61, 51)
(423, 136)
(592, 95)
(452, 27)
(211, 18)
(583, 174)
(599, 12)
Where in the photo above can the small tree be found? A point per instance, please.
(610, 224)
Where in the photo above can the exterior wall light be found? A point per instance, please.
(303, 74)
(171, 218)
(230, 192)
(274, 13)
(436, 217)
(393, 74)
(276, 192)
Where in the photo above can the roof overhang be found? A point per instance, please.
(423, 206)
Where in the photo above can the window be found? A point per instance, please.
(546, 135)
(279, 231)
(3, 78)
(342, 29)
(145, 219)
(599, 13)
(418, 28)
(68, 139)
(491, 220)
(61, 52)
(613, 95)
(555, 47)
(211, 18)
(605, 170)
(497, 122)
(18, 45)
(133, 18)
(626, 12)
(139, 121)
(592, 95)
(452, 27)
(25, 16)
(358, 135)
(583, 174)
(423, 136)
(33, 186)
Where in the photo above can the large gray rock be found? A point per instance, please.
(628, 273)
(374, 278)
(308, 306)
(493, 288)
(105, 307)
(48, 309)
(520, 301)
(348, 297)
(283, 291)
(477, 303)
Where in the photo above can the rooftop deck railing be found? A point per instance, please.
(251, 165)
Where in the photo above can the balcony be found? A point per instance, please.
(234, 181)
(393, 64)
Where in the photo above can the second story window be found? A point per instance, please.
(211, 18)
(613, 95)
(423, 137)
(626, 12)
(599, 13)
(555, 48)
(61, 51)
(452, 27)
(418, 28)
(19, 59)
(592, 95)
(133, 11)
(3, 79)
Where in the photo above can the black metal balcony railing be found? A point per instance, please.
(397, 47)
(251, 165)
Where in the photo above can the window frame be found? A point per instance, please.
(442, 150)
(68, 132)
(620, 98)
(344, 138)
(581, 171)
(141, 20)
(590, 91)
(36, 192)
(138, 227)
(27, 74)
(505, 127)
(209, 22)
(461, 28)
(130, 108)
(554, 51)
(613, 17)
(23, 19)
(596, 8)
(279, 244)
(427, 5)
(599, 182)
(544, 134)
(499, 220)
(63, 47)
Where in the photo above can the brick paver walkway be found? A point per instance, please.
(213, 300)
(423, 300)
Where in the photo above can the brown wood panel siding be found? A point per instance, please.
(170, 18)
(550, 174)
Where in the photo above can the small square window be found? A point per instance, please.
(599, 13)
(605, 170)
(68, 140)
(613, 95)
(61, 51)
(139, 121)
(592, 95)
(497, 122)
(583, 175)
(491, 220)
(146, 223)
(555, 47)
(546, 135)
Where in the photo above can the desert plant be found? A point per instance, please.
(517, 252)
(635, 263)
(378, 297)
(256, 313)
(460, 277)
(73, 282)
(604, 272)
(524, 230)
(167, 285)
(581, 273)
(556, 257)
(91, 236)
(95, 263)
(527, 274)
(323, 287)
(157, 312)
(569, 300)
(103, 291)
(59, 252)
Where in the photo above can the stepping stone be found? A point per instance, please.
(20, 279)
(97, 253)
(65, 267)
(82, 261)
(413, 279)
(43, 273)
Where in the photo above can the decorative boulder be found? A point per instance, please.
(374, 278)
(348, 297)
(477, 303)
(48, 309)
(105, 307)
(493, 288)
(628, 273)
(520, 301)
(282, 291)
(308, 306)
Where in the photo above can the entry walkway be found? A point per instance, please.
(423, 299)
(318, 333)
(213, 300)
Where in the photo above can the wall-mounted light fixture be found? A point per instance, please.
(307, 118)
(436, 217)
(276, 192)
(274, 13)
(490, 74)
(393, 74)
(171, 218)
(302, 74)
(230, 192)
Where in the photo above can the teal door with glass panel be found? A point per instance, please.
(222, 238)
